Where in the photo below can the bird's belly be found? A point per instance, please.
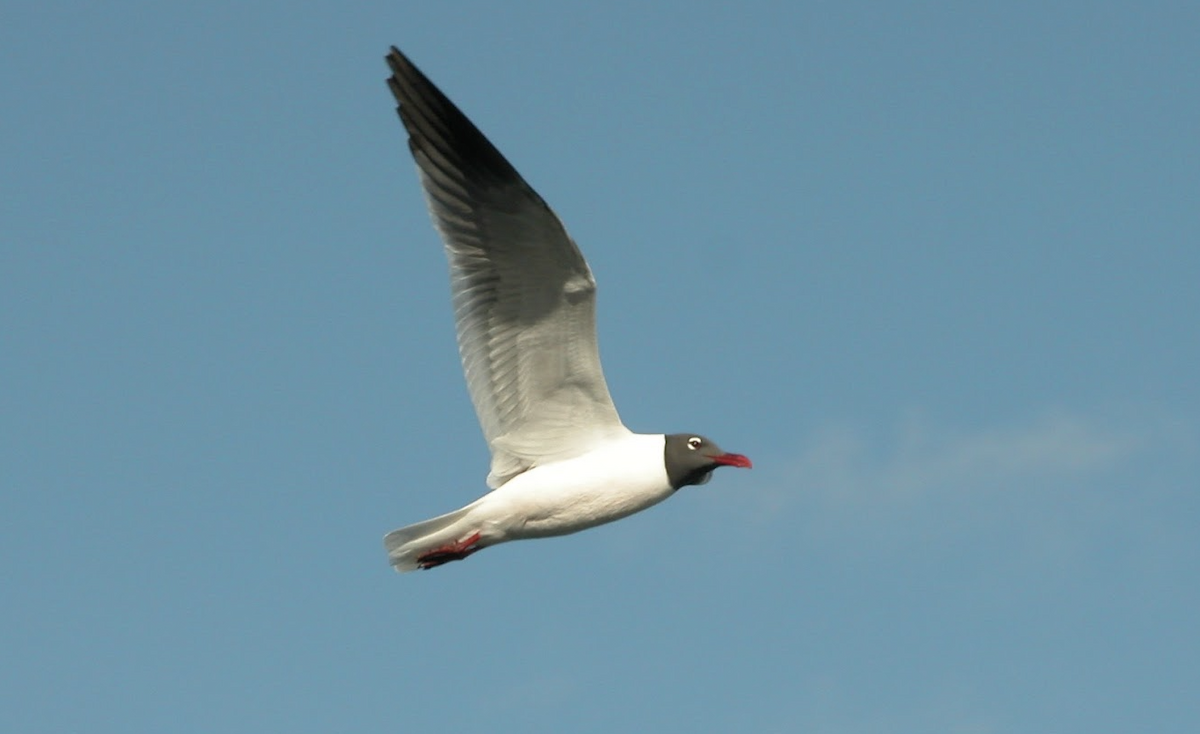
(544, 502)
(574, 511)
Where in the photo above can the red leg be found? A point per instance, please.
(446, 553)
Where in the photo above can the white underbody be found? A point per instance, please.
(612, 481)
(607, 484)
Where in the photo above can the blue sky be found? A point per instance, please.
(933, 266)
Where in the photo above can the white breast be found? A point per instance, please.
(616, 480)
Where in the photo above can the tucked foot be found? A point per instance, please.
(452, 552)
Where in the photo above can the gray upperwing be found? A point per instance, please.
(524, 298)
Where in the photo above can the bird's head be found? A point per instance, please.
(691, 458)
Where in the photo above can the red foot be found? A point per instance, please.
(445, 554)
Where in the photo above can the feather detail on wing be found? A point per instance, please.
(524, 298)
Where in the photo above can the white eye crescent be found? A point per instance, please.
(694, 442)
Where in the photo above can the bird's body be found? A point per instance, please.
(524, 304)
(613, 481)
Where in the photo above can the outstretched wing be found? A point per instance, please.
(524, 297)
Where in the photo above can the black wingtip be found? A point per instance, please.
(396, 60)
(435, 124)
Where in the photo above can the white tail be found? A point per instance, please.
(406, 545)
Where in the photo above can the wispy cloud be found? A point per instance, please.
(922, 473)
(920, 458)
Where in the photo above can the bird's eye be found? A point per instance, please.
(694, 442)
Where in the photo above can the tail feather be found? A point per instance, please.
(406, 545)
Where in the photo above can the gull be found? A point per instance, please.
(525, 312)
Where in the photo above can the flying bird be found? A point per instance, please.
(525, 312)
